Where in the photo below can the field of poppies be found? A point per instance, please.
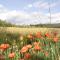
(30, 46)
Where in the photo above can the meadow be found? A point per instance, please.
(33, 29)
(29, 43)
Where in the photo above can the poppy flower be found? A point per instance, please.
(46, 53)
(27, 56)
(37, 47)
(55, 39)
(7, 46)
(29, 46)
(38, 35)
(11, 55)
(4, 46)
(55, 33)
(36, 43)
(2, 57)
(30, 36)
(48, 35)
(24, 49)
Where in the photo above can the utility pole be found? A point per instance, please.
(49, 11)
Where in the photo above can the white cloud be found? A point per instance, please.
(1, 5)
(55, 18)
(41, 5)
(30, 5)
(22, 17)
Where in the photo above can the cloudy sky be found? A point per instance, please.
(30, 11)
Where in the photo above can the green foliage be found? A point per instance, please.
(6, 24)
(50, 50)
(8, 37)
(46, 25)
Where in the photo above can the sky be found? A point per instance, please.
(30, 11)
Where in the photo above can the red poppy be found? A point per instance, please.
(55, 33)
(4, 46)
(55, 39)
(46, 53)
(27, 56)
(2, 57)
(29, 46)
(24, 49)
(48, 35)
(11, 55)
(37, 47)
(30, 36)
(36, 43)
(38, 35)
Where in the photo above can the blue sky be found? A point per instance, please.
(29, 11)
(20, 4)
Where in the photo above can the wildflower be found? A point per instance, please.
(30, 36)
(27, 56)
(38, 35)
(11, 55)
(55, 39)
(55, 33)
(24, 49)
(37, 47)
(47, 35)
(46, 53)
(4, 46)
(2, 57)
(29, 46)
(36, 43)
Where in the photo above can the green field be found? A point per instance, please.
(29, 43)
